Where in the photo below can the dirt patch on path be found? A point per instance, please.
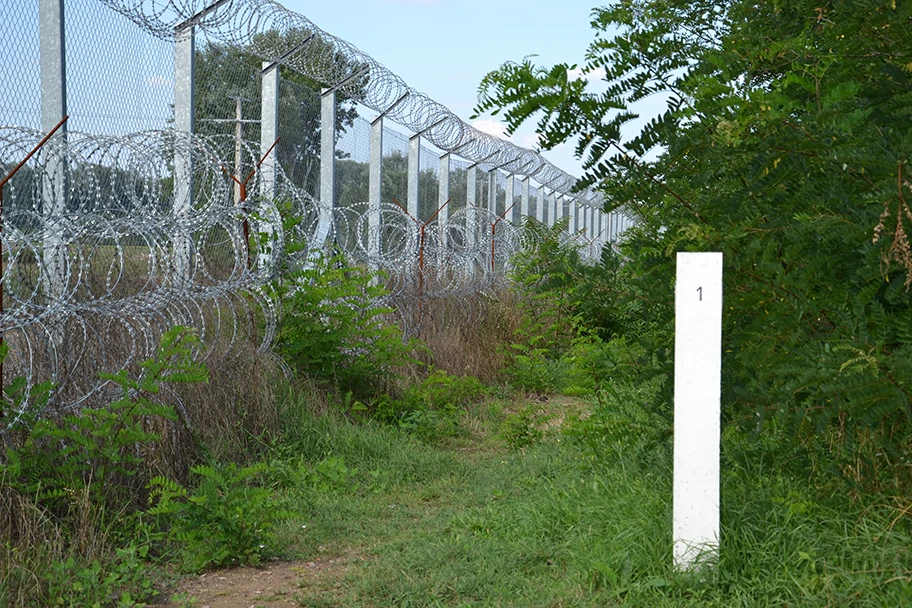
(271, 585)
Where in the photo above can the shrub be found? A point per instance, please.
(71, 487)
(521, 429)
(97, 451)
(226, 520)
(333, 330)
(431, 408)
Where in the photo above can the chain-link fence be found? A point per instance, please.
(193, 126)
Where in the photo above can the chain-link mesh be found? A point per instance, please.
(395, 167)
(20, 87)
(117, 87)
(428, 182)
(298, 150)
(102, 251)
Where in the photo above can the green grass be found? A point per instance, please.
(474, 523)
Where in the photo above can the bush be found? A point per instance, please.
(226, 520)
(71, 488)
(431, 408)
(521, 429)
(629, 419)
(333, 328)
(97, 451)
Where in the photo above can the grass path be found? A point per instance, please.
(414, 525)
(469, 521)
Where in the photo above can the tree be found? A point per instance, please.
(224, 73)
(784, 144)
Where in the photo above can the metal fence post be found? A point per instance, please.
(509, 189)
(414, 166)
(443, 195)
(540, 206)
(593, 230)
(269, 132)
(54, 183)
(52, 64)
(375, 187)
(492, 192)
(327, 165)
(269, 129)
(184, 64)
(471, 208)
(580, 212)
(557, 214)
(524, 202)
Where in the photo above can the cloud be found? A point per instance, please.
(592, 76)
(530, 140)
(412, 2)
(491, 127)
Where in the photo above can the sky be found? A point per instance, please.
(444, 48)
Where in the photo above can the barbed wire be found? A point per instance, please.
(92, 288)
(275, 34)
(100, 259)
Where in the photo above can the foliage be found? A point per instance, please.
(333, 329)
(548, 268)
(289, 470)
(99, 450)
(331, 474)
(571, 312)
(783, 144)
(225, 520)
(430, 409)
(123, 584)
(521, 429)
(74, 483)
(626, 420)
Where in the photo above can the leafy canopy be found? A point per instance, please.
(784, 143)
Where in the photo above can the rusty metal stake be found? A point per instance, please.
(245, 225)
(242, 194)
(421, 241)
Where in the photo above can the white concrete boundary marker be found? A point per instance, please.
(698, 367)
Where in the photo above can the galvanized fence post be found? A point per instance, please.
(375, 188)
(327, 166)
(492, 192)
(414, 166)
(54, 183)
(443, 195)
(184, 64)
(557, 214)
(471, 219)
(524, 202)
(509, 189)
(269, 133)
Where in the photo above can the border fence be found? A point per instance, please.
(193, 128)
